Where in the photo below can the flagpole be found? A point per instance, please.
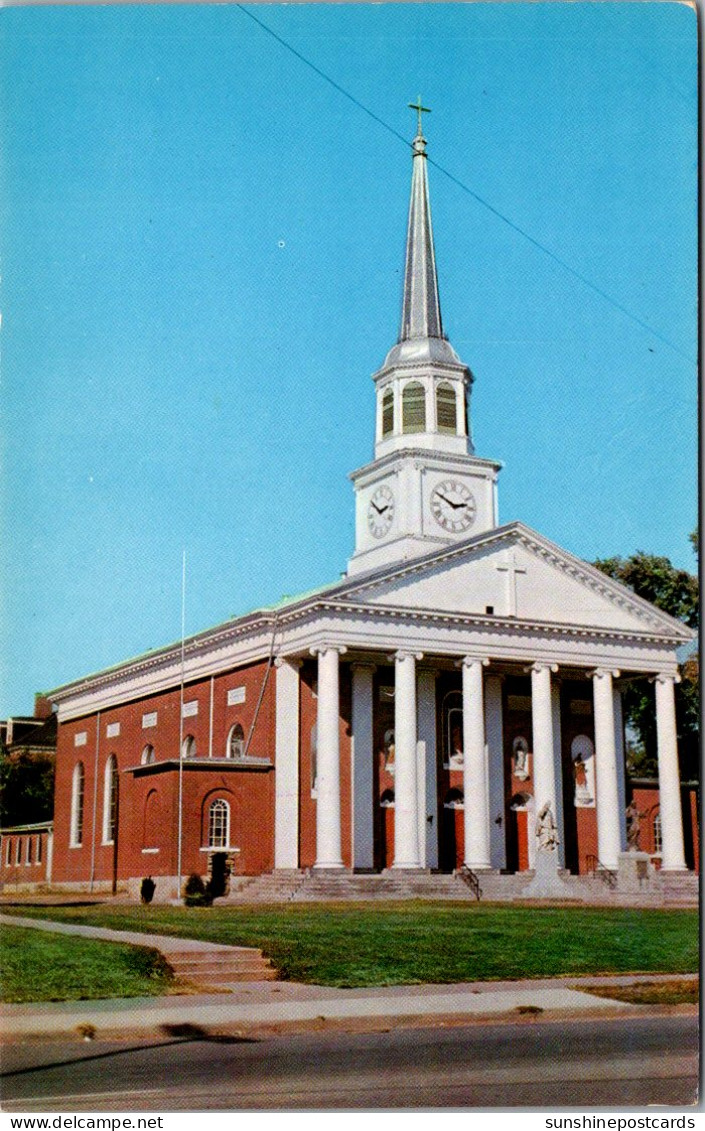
(181, 728)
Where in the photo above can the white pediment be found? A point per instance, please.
(513, 572)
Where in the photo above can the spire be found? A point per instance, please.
(421, 307)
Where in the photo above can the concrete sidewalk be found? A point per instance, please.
(247, 1005)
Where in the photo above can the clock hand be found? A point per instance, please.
(455, 506)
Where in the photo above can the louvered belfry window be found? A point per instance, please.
(446, 409)
(413, 403)
(388, 412)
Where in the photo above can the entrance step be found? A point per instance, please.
(219, 966)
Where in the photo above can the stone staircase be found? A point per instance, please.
(678, 889)
(218, 967)
(674, 889)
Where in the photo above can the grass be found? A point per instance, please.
(406, 943)
(676, 992)
(40, 966)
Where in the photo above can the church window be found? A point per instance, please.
(39, 849)
(77, 792)
(147, 755)
(314, 759)
(236, 742)
(18, 859)
(8, 858)
(453, 730)
(152, 820)
(388, 412)
(29, 850)
(188, 747)
(219, 824)
(446, 409)
(658, 837)
(413, 404)
(110, 800)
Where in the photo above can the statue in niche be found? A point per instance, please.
(633, 826)
(546, 829)
(389, 750)
(456, 758)
(582, 755)
(520, 748)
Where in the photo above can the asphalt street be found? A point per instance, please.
(625, 1062)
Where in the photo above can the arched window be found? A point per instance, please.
(39, 848)
(236, 742)
(147, 755)
(77, 791)
(110, 800)
(8, 857)
(314, 758)
(188, 747)
(658, 835)
(446, 408)
(29, 850)
(219, 824)
(387, 799)
(152, 820)
(388, 412)
(413, 407)
(18, 859)
(452, 723)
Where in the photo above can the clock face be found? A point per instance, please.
(380, 512)
(453, 506)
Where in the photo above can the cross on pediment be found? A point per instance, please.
(512, 570)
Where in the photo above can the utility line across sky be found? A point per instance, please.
(466, 188)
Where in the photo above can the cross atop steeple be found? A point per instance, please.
(419, 110)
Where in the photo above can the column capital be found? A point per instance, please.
(468, 661)
(402, 655)
(600, 673)
(318, 649)
(541, 666)
(293, 661)
(665, 677)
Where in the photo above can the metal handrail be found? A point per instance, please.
(595, 865)
(472, 880)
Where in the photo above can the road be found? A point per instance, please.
(586, 1063)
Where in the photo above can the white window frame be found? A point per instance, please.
(78, 792)
(110, 775)
(219, 804)
(148, 756)
(228, 749)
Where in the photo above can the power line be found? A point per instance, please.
(466, 188)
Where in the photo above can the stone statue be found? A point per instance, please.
(582, 791)
(546, 829)
(521, 759)
(633, 826)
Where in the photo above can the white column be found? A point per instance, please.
(621, 769)
(362, 766)
(673, 858)
(428, 797)
(286, 763)
(543, 742)
(558, 769)
(495, 769)
(406, 808)
(328, 843)
(609, 818)
(475, 790)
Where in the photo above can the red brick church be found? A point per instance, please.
(454, 702)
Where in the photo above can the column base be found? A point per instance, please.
(330, 867)
(402, 867)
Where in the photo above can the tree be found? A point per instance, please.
(26, 785)
(676, 592)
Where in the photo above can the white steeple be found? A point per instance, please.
(425, 487)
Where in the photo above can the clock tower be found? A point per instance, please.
(425, 488)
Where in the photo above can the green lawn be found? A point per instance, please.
(405, 943)
(39, 966)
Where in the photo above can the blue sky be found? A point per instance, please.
(202, 267)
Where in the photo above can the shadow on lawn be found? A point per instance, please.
(180, 1034)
